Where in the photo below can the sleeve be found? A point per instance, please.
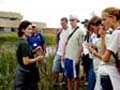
(25, 50)
(42, 39)
(114, 45)
(81, 37)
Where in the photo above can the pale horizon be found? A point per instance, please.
(50, 11)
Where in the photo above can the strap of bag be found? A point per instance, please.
(69, 39)
(71, 35)
(116, 58)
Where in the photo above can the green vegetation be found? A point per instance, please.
(8, 63)
(50, 39)
(12, 38)
(7, 66)
(8, 37)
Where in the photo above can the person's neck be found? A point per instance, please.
(65, 28)
(24, 37)
(74, 27)
(34, 34)
(117, 24)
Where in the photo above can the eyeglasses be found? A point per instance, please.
(33, 26)
(72, 20)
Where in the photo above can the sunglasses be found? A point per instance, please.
(72, 20)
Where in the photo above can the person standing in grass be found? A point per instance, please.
(26, 76)
(72, 56)
(37, 41)
(58, 64)
(108, 75)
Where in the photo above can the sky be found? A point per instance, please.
(50, 11)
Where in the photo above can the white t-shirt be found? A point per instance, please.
(85, 49)
(108, 41)
(93, 40)
(73, 45)
(114, 46)
(96, 60)
(115, 43)
(63, 37)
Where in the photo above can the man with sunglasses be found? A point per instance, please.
(72, 54)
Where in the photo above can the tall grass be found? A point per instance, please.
(12, 38)
(8, 63)
(7, 67)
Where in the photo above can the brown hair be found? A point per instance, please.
(112, 11)
(23, 25)
(64, 18)
(95, 21)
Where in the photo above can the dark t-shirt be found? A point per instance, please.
(23, 50)
(27, 73)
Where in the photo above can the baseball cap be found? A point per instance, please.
(72, 16)
(34, 25)
(85, 21)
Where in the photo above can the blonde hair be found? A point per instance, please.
(112, 11)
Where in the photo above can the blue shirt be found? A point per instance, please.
(36, 40)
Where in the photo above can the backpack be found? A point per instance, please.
(58, 35)
(117, 61)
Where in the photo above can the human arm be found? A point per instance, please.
(79, 54)
(27, 60)
(27, 55)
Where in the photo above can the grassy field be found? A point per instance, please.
(12, 38)
(8, 63)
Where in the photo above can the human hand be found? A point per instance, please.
(39, 48)
(102, 32)
(40, 58)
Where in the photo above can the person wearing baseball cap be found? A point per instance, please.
(74, 17)
(72, 54)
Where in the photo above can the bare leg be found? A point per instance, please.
(70, 84)
(56, 77)
(77, 83)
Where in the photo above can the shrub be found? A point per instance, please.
(12, 38)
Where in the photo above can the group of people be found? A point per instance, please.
(98, 50)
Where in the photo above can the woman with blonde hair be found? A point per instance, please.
(108, 77)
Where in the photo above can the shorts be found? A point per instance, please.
(72, 71)
(57, 67)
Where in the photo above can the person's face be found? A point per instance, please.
(95, 29)
(101, 30)
(73, 22)
(63, 23)
(28, 31)
(34, 30)
(107, 21)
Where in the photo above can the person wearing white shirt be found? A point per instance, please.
(57, 65)
(108, 77)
